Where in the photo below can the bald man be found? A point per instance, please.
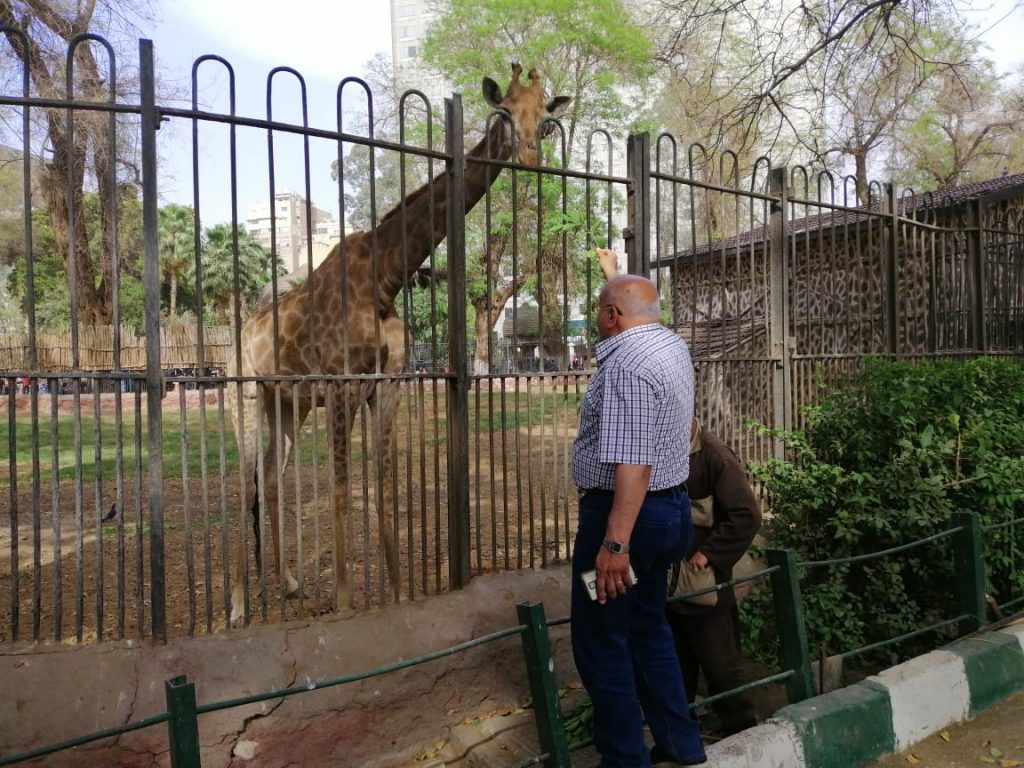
(630, 461)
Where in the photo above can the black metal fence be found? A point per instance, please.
(126, 494)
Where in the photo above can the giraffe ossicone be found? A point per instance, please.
(342, 321)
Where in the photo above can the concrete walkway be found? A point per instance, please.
(996, 735)
(977, 682)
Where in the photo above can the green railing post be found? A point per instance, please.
(789, 619)
(183, 727)
(540, 668)
(969, 571)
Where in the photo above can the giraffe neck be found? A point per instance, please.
(409, 233)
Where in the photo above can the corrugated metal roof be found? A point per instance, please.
(908, 204)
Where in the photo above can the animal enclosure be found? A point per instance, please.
(128, 499)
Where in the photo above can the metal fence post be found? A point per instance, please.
(540, 667)
(779, 329)
(638, 209)
(183, 727)
(154, 374)
(891, 263)
(968, 571)
(789, 619)
(457, 386)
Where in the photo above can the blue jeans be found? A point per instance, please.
(623, 649)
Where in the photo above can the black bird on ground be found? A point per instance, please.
(111, 514)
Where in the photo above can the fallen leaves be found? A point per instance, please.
(997, 756)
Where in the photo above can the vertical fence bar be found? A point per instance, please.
(540, 668)
(892, 275)
(183, 726)
(457, 385)
(789, 619)
(968, 571)
(154, 373)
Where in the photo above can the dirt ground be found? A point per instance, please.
(993, 738)
(522, 515)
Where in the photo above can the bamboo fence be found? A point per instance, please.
(55, 351)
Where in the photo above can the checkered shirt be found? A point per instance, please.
(637, 410)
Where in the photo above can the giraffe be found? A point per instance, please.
(342, 320)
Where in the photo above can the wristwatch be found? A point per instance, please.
(615, 547)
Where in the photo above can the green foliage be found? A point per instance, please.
(579, 722)
(219, 275)
(51, 293)
(177, 250)
(885, 462)
(52, 302)
(585, 50)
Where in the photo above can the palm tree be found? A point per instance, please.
(177, 248)
(218, 278)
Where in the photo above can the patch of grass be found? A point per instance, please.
(95, 444)
(98, 441)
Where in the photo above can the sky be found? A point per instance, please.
(325, 42)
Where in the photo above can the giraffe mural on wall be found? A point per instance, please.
(342, 321)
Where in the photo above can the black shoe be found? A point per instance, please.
(660, 757)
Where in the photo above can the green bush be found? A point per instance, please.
(884, 462)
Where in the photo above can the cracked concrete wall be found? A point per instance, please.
(56, 693)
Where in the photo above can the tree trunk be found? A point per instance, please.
(62, 179)
(60, 191)
(173, 312)
(482, 332)
(861, 164)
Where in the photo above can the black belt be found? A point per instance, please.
(663, 492)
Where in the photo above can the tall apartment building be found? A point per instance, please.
(409, 21)
(294, 220)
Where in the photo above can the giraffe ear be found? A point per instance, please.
(492, 93)
(557, 106)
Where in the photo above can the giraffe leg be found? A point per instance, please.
(343, 405)
(384, 403)
(246, 415)
(273, 466)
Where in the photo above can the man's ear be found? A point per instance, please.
(492, 93)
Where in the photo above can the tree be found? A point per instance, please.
(774, 71)
(177, 249)
(218, 277)
(865, 100)
(93, 153)
(592, 52)
(962, 128)
(51, 287)
(372, 179)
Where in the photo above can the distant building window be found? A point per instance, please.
(411, 51)
(407, 31)
(406, 11)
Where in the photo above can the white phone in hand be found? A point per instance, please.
(590, 580)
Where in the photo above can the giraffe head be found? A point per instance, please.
(525, 106)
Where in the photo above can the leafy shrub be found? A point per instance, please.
(885, 462)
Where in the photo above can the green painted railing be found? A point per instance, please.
(182, 716)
